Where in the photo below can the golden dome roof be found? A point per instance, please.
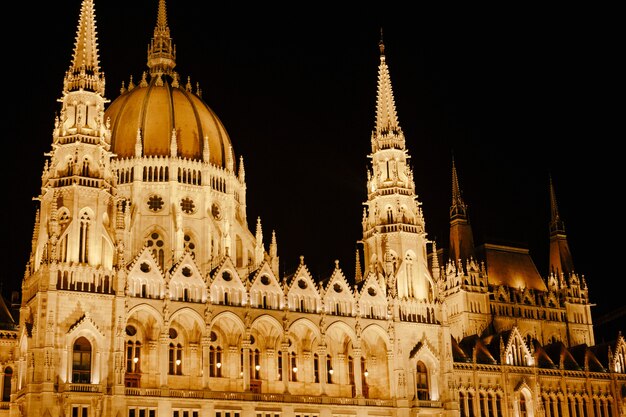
(156, 110)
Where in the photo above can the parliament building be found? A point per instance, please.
(147, 294)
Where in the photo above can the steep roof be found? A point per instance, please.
(511, 267)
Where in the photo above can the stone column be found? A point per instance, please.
(358, 372)
(163, 370)
(246, 364)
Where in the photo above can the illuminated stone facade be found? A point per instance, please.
(146, 294)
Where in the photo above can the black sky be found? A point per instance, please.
(515, 93)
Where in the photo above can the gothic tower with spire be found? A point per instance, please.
(394, 234)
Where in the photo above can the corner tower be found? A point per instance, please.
(394, 236)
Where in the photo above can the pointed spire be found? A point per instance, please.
(386, 115)
(259, 232)
(358, 273)
(84, 72)
(161, 52)
(461, 235)
(242, 171)
(556, 225)
(561, 262)
(273, 245)
(458, 209)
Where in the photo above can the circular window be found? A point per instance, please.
(226, 276)
(337, 288)
(252, 339)
(144, 267)
(213, 336)
(155, 203)
(130, 330)
(371, 291)
(187, 271)
(265, 280)
(302, 284)
(173, 333)
(187, 205)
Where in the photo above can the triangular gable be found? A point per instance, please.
(302, 286)
(85, 325)
(265, 290)
(372, 300)
(145, 278)
(186, 281)
(516, 352)
(226, 280)
(338, 296)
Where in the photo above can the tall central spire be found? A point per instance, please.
(84, 72)
(388, 131)
(394, 236)
(161, 52)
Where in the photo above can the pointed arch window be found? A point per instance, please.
(190, 245)
(279, 377)
(329, 369)
(215, 361)
(351, 370)
(157, 246)
(389, 215)
(133, 363)
(6, 384)
(255, 364)
(176, 359)
(83, 245)
(421, 381)
(294, 366)
(81, 361)
(316, 368)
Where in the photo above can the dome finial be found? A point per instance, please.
(161, 51)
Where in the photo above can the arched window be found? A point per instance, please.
(215, 361)
(255, 364)
(156, 244)
(6, 384)
(351, 370)
(81, 361)
(389, 215)
(329, 369)
(523, 411)
(421, 382)
(133, 363)
(176, 359)
(83, 246)
(294, 366)
(316, 368)
(280, 366)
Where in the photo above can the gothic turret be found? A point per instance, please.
(461, 237)
(560, 257)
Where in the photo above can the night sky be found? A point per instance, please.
(515, 95)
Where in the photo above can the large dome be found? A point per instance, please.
(158, 108)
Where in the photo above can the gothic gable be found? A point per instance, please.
(226, 287)
(338, 297)
(516, 352)
(265, 290)
(186, 282)
(145, 278)
(372, 300)
(302, 293)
